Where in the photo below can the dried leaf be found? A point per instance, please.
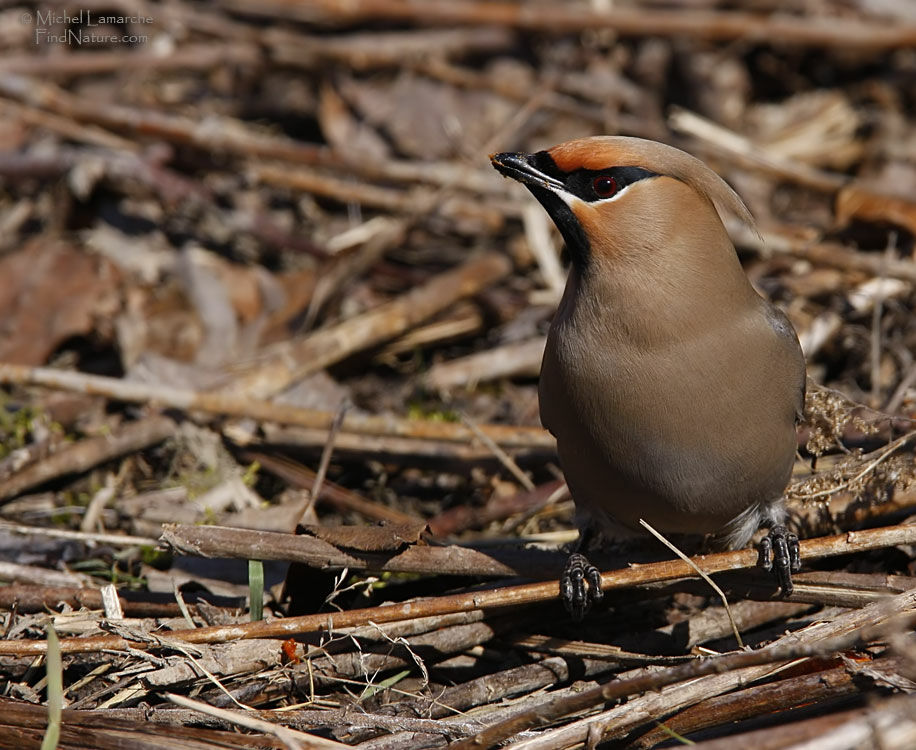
(51, 291)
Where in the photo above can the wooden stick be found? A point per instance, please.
(83, 455)
(188, 57)
(242, 406)
(246, 544)
(292, 360)
(229, 136)
(722, 672)
(782, 29)
(510, 596)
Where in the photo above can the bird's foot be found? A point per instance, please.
(580, 585)
(780, 554)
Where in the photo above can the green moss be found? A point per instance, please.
(419, 411)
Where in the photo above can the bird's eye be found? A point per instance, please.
(604, 186)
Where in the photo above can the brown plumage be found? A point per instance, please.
(672, 387)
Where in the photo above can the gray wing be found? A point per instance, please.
(783, 327)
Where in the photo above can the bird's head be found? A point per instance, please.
(612, 194)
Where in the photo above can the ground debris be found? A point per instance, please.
(271, 468)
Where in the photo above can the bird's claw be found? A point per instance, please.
(580, 586)
(779, 553)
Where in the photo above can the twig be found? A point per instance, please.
(823, 638)
(290, 737)
(115, 540)
(497, 508)
(521, 358)
(226, 542)
(411, 201)
(289, 361)
(702, 575)
(89, 452)
(187, 57)
(876, 313)
(510, 596)
(759, 700)
(378, 49)
(783, 29)
(504, 458)
(241, 406)
(889, 725)
(748, 154)
(227, 136)
(17, 572)
(30, 598)
(315, 491)
(898, 443)
(301, 476)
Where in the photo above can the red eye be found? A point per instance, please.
(604, 186)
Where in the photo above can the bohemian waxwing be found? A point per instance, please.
(671, 386)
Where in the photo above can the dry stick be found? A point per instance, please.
(393, 448)
(289, 361)
(888, 725)
(874, 727)
(742, 151)
(510, 596)
(823, 638)
(187, 57)
(227, 542)
(759, 700)
(412, 201)
(115, 540)
(298, 475)
(89, 452)
(521, 358)
(268, 411)
(566, 18)
(829, 254)
(377, 49)
(702, 575)
(322, 465)
(504, 458)
(876, 314)
(225, 136)
(897, 399)
(290, 737)
(69, 128)
(234, 543)
(497, 508)
(17, 573)
(747, 154)
(101, 729)
(31, 598)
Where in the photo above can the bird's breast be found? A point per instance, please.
(686, 434)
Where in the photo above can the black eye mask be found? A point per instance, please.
(589, 184)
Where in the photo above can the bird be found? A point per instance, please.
(672, 387)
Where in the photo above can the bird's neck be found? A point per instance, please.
(651, 301)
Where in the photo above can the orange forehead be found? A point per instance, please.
(599, 153)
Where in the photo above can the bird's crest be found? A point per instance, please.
(602, 152)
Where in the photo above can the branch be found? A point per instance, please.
(509, 596)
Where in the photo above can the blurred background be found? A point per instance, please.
(292, 202)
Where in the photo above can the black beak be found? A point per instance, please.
(519, 167)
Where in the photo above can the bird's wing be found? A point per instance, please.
(783, 327)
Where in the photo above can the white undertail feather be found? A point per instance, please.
(742, 527)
